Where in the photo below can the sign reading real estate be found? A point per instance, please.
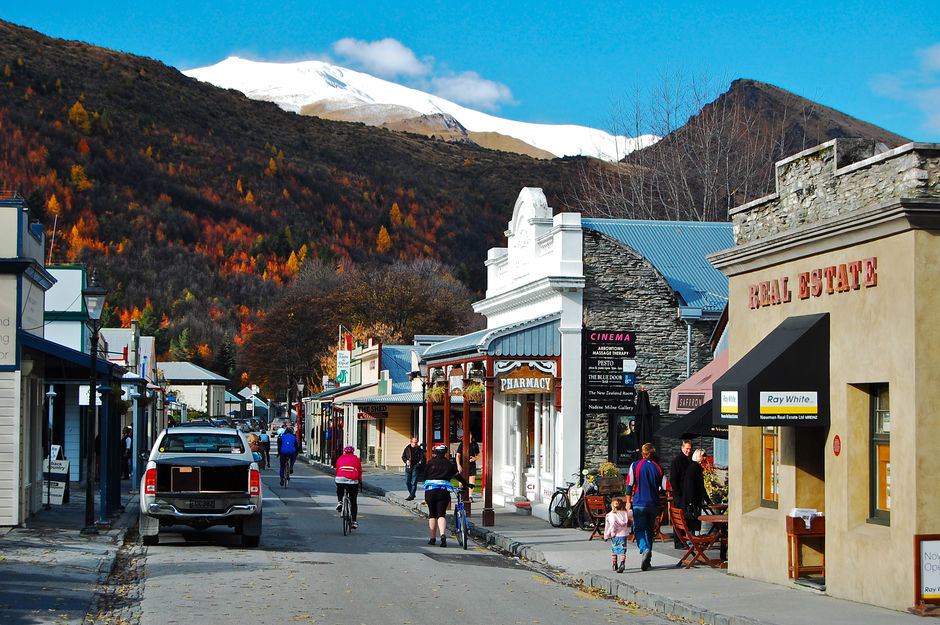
(789, 406)
(608, 376)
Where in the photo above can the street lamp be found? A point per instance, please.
(94, 296)
(421, 374)
(50, 395)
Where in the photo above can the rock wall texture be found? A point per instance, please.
(624, 291)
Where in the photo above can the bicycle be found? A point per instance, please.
(346, 513)
(562, 512)
(287, 467)
(460, 520)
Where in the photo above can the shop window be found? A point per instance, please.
(880, 467)
(770, 467)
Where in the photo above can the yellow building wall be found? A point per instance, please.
(874, 338)
(397, 435)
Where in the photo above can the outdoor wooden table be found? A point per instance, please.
(720, 527)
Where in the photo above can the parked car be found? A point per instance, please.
(201, 477)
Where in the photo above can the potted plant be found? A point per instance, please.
(716, 485)
(434, 394)
(608, 480)
(474, 392)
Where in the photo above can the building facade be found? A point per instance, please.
(830, 398)
(561, 294)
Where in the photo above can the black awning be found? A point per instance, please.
(695, 424)
(783, 380)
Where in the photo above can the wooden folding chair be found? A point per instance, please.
(597, 511)
(696, 544)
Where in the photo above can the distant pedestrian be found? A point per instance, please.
(265, 448)
(467, 463)
(127, 444)
(414, 460)
(644, 482)
(680, 464)
(617, 531)
(694, 496)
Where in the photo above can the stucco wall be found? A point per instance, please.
(879, 334)
(624, 291)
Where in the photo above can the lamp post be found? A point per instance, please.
(49, 396)
(94, 296)
(422, 374)
(138, 434)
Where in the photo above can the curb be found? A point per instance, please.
(659, 603)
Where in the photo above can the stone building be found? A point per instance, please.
(563, 290)
(831, 398)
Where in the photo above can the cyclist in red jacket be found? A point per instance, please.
(348, 478)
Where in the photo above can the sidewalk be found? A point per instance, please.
(50, 570)
(700, 594)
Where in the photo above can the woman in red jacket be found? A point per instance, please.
(348, 478)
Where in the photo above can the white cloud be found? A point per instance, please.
(392, 60)
(920, 86)
(387, 58)
(471, 89)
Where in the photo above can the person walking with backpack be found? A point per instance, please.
(287, 447)
(645, 480)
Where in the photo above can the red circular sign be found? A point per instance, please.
(836, 445)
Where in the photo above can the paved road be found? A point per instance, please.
(306, 571)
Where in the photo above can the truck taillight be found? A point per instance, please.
(254, 482)
(150, 482)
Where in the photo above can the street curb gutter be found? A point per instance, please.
(614, 587)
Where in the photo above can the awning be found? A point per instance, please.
(695, 424)
(783, 380)
(697, 390)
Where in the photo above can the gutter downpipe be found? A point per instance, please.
(690, 316)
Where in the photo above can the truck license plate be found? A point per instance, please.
(201, 504)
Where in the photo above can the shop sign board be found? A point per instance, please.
(729, 405)
(54, 480)
(927, 569)
(609, 372)
(789, 406)
(525, 380)
(690, 401)
(343, 367)
(372, 411)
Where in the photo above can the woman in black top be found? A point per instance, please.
(694, 495)
(437, 476)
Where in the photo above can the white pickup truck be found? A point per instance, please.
(200, 477)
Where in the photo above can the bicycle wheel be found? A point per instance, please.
(584, 517)
(559, 509)
(463, 529)
(457, 532)
(347, 516)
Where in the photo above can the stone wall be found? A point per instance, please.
(835, 178)
(624, 291)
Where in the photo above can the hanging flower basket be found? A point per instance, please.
(474, 393)
(435, 394)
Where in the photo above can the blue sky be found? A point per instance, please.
(550, 62)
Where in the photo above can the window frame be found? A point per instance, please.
(879, 440)
(770, 467)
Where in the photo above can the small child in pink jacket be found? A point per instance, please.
(617, 530)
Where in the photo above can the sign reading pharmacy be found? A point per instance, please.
(524, 380)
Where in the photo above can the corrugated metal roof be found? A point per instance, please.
(176, 371)
(397, 360)
(534, 337)
(677, 249)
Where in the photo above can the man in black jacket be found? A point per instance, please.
(680, 464)
(414, 459)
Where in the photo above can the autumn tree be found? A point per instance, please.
(715, 153)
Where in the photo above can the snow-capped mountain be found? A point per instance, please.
(319, 88)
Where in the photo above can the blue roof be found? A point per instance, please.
(533, 337)
(397, 360)
(677, 250)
